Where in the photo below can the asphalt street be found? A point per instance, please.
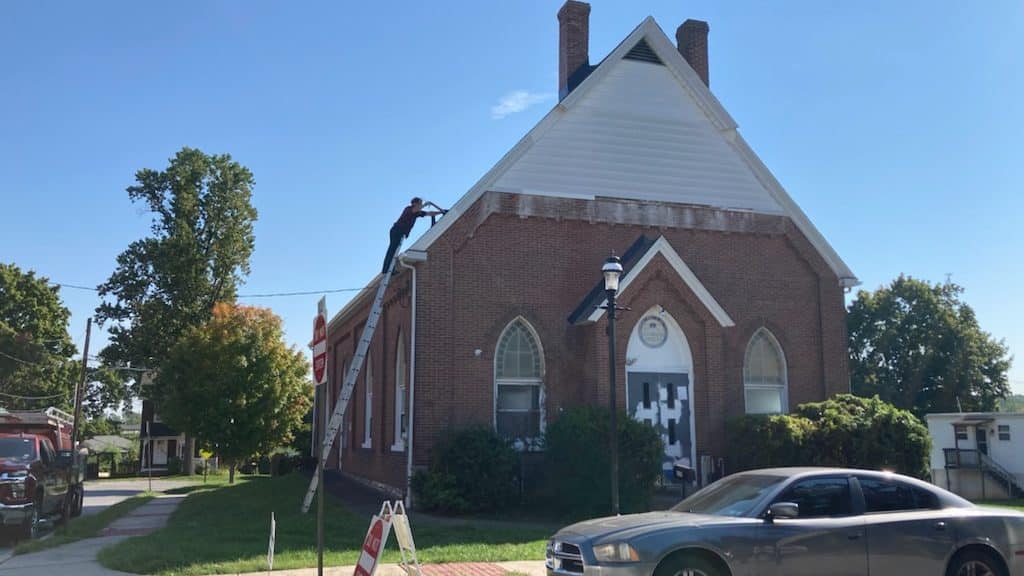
(100, 494)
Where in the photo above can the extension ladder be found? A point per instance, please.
(338, 416)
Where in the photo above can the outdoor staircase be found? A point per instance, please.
(1014, 486)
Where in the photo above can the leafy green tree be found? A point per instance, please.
(918, 346)
(36, 369)
(196, 255)
(1013, 403)
(92, 427)
(235, 384)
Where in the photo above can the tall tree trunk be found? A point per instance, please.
(190, 450)
(231, 472)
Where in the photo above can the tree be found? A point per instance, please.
(235, 384)
(918, 346)
(1013, 403)
(197, 254)
(36, 369)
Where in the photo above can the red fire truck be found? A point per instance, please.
(40, 471)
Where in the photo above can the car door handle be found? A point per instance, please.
(940, 526)
(853, 536)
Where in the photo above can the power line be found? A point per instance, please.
(75, 286)
(16, 359)
(19, 397)
(262, 295)
(306, 293)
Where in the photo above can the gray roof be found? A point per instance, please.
(104, 443)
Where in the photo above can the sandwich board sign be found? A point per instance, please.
(373, 544)
(390, 516)
(403, 533)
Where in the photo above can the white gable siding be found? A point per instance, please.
(638, 135)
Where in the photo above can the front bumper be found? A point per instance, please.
(15, 514)
(571, 557)
(630, 569)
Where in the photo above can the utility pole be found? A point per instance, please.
(79, 392)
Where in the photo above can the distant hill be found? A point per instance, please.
(1013, 403)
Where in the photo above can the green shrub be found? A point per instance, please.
(868, 433)
(845, 430)
(576, 481)
(761, 441)
(473, 470)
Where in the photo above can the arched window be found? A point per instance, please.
(764, 375)
(400, 384)
(368, 403)
(518, 380)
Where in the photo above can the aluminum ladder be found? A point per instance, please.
(338, 416)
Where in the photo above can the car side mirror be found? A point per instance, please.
(65, 458)
(782, 510)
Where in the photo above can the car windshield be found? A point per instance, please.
(732, 496)
(18, 449)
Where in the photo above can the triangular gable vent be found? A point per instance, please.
(642, 51)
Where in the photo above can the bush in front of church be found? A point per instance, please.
(472, 470)
(576, 482)
(845, 430)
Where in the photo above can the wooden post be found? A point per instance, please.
(79, 392)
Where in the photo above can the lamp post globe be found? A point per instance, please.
(612, 271)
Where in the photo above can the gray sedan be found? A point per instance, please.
(800, 522)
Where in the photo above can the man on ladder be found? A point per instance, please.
(401, 228)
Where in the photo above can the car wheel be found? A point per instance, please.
(78, 502)
(687, 565)
(975, 563)
(30, 529)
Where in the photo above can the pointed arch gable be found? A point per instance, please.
(765, 374)
(662, 246)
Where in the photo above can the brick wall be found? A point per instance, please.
(503, 259)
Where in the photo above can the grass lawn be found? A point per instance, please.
(224, 529)
(1017, 504)
(85, 526)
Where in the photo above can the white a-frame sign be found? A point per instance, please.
(391, 516)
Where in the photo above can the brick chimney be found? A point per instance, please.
(573, 42)
(692, 42)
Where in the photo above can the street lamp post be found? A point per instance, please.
(612, 270)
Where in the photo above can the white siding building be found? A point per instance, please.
(978, 454)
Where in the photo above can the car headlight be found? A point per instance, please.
(616, 552)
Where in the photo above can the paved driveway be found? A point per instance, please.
(100, 494)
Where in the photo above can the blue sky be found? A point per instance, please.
(895, 126)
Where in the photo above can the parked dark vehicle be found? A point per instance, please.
(39, 472)
(800, 522)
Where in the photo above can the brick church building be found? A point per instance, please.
(493, 319)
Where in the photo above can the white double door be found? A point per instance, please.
(662, 400)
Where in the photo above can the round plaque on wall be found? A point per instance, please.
(653, 331)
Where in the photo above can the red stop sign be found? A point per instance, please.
(320, 349)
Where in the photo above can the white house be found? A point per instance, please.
(978, 454)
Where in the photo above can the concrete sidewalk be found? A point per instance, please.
(531, 568)
(79, 558)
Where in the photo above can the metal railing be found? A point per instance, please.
(1013, 485)
(975, 459)
(962, 458)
